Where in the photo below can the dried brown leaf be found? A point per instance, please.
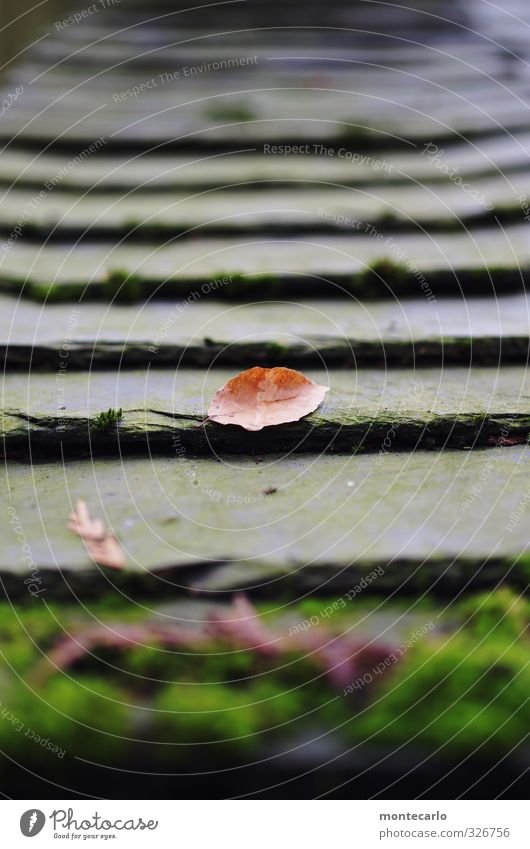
(261, 397)
(241, 626)
(119, 636)
(100, 543)
(341, 657)
(507, 441)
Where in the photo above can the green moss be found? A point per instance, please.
(126, 287)
(243, 716)
(249, 286)
(277, 352)
(195, 715)
(123, 286)
(499, 613)
(390, 218)
(190, 696)
(383, 274)
(454, 691)
(356, 134)
(460, 694)
(107, 419)
(132, 224)
(64, 716)
(51, 292)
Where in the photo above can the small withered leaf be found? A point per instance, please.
(263, 397)
(100, 543)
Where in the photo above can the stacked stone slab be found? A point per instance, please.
(186, 194)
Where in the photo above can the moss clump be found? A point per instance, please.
(234, 700)
(381, 275)
(51, 293)
(195, 715)
(107, 419)
(463, 688)
(242, 717)
(390, 217)
(248, 286)
(277, 353)
(122, 286)
(350, 131)
(71, 714)
(462, 694)
(502, 613)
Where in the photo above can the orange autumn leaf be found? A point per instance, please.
(100, 543)
(261, 397)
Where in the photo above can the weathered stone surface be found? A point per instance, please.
(390, 63)
(254, 120)
(338, 333)
(316, 209)
(175, 35)
(426, 521)
(232, 109)
(163, 409)
(373, 534)
(487, 261)
(488, 156)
